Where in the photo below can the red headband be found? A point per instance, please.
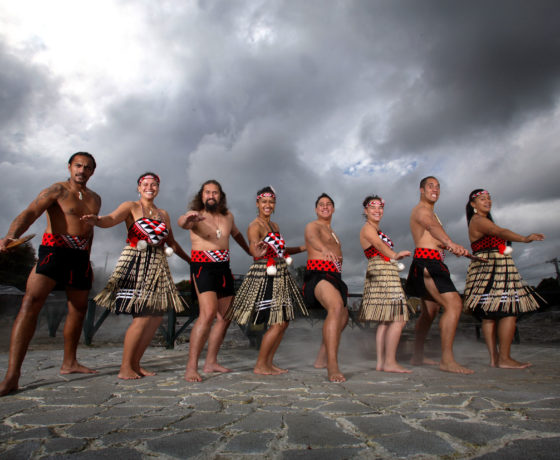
(376, 200)
(482, 192)
(266, 195)
(149, 176)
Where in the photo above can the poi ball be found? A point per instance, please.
(271, 270)
(400, 266)
(289, 260)
(141, 245)
(169, 251)
(508, 250)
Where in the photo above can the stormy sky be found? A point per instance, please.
(344, 97)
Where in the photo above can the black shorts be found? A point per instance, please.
(70, 268)
(312, 278)
(212, 276)
(439, 272)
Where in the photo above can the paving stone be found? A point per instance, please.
(475, 433)
(258, 421)
(93, 428)
(122, 453)
(183, 445)
(534, 449)
(324, 432)
(63, 445)
(22, 451)
(55, 416)
(30, 433)
(249, 443)
(241, 416)
(415, 442)
(324, 454)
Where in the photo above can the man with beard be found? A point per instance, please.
(430, 280)
(63, 263)
(210, 224)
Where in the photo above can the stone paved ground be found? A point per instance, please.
(493, 414)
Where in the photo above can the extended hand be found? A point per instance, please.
(402, 254)
(534, 237)
(457, 249)
(90, 219)
(262, 247)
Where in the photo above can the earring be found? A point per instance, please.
(474, 210)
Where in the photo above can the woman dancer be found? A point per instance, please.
(141, 283)
(494, 291)
(268, 292)
(384, 300)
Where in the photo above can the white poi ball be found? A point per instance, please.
(289, 260)
(508, 250)
(141, 245)
(271, 270)
(169, 251)
(400, 266)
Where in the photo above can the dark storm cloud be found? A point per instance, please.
(27, 93)
(349, 98)
(485, 67)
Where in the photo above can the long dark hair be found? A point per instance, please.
(470, 210)
(198, 205)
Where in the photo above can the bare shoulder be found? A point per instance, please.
(51, 194)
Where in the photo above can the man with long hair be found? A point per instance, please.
(210, 224)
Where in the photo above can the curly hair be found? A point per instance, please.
(198, 205)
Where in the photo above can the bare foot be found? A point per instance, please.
(335, 375)
(279, 370)
(455, 368)
(192, 375)
(146, 373)
(396, 368)
(379, 366)
(76, 368)
(9, 385)
(128, 374)
(510, 363)
(423, 361)
(264, 370)
(215, 367)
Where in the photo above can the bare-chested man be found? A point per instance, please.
(210, 224)
(323, 284)
(429, 279)
(63, 262)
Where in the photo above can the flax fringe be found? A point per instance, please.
(286, 296)
(146, 275)
(384, 298)
(496, 286)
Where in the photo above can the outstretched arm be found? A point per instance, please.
(37, 207)
(110, 220)
(189, 220)
(486, 226)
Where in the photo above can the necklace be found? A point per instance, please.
(218, 231)
(80, 195)
(332, 233)
(335, 238)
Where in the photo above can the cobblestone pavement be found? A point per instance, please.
(492, 414)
